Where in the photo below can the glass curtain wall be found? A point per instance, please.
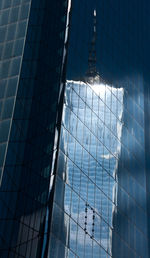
(100, 205)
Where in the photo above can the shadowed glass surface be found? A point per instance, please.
(30, 71)
(101, 180)
(94, 202)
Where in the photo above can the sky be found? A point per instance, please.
(123, 38)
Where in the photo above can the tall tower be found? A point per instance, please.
(92, 75)
(91, 72)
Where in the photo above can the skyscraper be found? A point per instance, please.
(100, 199)
(74, 147)
(32, 48)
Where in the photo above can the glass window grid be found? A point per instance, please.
(82, 186)
(12, 54)
(105, 168)
(78, 101)
(111, 112)
(80, 224)
(25, 209)
(4, 5)
(112, 152)
(116, 135)
(7, 54)
(87, 126)
(85, 198)
(87, 153)
(76, 221)
(126, 51)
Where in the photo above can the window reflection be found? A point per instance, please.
(90, 139)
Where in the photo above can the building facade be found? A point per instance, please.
(87, 177)
(30, 79)
(74, 148)
(101, 193)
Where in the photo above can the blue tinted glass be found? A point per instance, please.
(15, 65)
(4, 69)
(11, 31)
(24, 11)
(2, 151)
(8, 50)
(11, 88)
(2, 87)
(14, 14)
(2, 33)
(8, 108)
(21, 29)
(4, 17)
(4, 129)
(18, 47)
(7, 4)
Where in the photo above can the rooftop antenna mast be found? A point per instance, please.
(91, 72)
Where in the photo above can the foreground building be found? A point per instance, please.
(30, 76)
(74, 148)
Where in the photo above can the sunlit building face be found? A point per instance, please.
(90, 147)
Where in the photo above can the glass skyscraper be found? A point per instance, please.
(88, 163)
(32, 38)
(74, 129)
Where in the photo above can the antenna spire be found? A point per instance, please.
(92, 51)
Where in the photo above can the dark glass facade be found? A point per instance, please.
(32, 52)
(100, 205)
(74, 129)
